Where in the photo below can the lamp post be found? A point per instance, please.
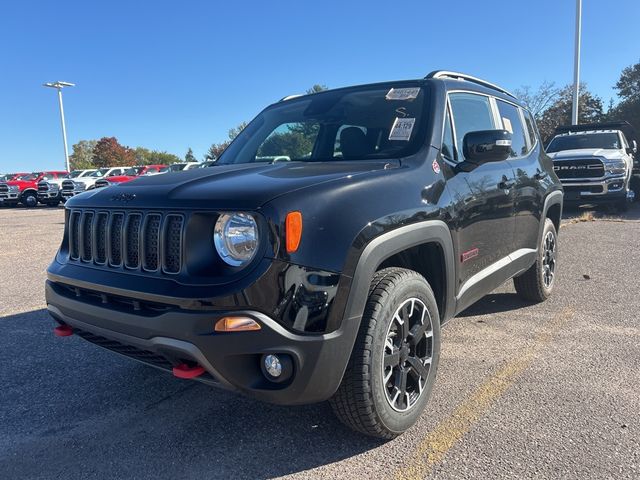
(59, 86)
(576, 65)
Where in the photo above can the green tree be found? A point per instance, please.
(82, 156)
(317, 88)
(559, 112)
(144, 156)
(628, 87)
(189, 156)
(109, 153)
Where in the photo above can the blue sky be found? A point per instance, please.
(173, 75)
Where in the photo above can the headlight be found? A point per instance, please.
(14, 188)
(236, 238)
(616, 166)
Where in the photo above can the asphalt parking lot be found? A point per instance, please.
(523, 391)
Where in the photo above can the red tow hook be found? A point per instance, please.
(185, 371)
(63, 331)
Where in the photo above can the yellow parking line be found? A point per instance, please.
(432, 449)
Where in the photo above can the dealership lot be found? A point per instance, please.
(546, 390)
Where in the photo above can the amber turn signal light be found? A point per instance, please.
(236, 324)
(293, 231)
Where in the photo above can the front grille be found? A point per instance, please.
(43, 187)
(4, 188)
(133, 240)
(101, 183)
(67, 185)
(580, 168)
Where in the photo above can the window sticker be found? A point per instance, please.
(507, 125)
(402, 128)
(402, 93)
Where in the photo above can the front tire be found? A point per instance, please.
(29, 200)
(392, 369)
(536, 284)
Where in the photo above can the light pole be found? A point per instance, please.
(576, 65)
(59, 86)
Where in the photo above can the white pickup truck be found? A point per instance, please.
(594, 162)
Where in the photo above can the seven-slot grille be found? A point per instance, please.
(579, 168)
(146, 241)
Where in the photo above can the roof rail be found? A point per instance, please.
(289, 97)
(468, 78)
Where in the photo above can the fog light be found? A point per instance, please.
(273, 365)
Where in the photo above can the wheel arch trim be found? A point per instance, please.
(390, 243)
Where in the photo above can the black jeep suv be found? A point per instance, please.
(320, 256)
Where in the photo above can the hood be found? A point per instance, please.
(22, 184)
(235, 187)
(609, 154)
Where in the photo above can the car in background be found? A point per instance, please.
(23, 189)
(50, 191)
(207, 164)
(594, 162)
(74, 186)
(129, 174)
(179, 167)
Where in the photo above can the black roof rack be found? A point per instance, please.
(468, 78)
(626, 128)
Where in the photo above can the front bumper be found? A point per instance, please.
(45, 196)
(9, 197)
(606, 189)
(168, 336)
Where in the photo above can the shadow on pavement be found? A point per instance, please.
(72, 410)
(573, 211)
(495, 303)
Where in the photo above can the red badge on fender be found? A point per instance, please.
(436, 166)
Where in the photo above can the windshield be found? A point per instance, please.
(133, 171)
(30, 177)
(609, 141)
(99, 173)
(362, 123)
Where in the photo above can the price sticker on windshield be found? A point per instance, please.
(402, 93)
(401, 129)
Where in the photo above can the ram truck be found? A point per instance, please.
(129, 174)
(24, 188)
(50, 191)
(595, 163)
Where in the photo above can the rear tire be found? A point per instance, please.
(392, 369)
(536, 284)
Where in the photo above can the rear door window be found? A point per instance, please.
(471, 112)
(512, 123)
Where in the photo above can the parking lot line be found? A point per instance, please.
(432, 449)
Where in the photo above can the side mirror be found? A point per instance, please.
(633, 149)
(485, 146)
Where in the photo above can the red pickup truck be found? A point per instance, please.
(129, 175)
(24, 188)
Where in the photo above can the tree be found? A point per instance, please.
(317, 88)
(628, 87)
(144, 156)
(82, 156)
(216, 149)
(109, 153)
(539, 100)
(559, 112)
(189, 156)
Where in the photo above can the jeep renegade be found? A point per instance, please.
(321, 254)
